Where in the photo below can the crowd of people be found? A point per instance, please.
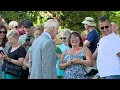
(29, 52)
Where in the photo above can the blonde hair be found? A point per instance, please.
(51, 23)
(13, 24)
(32, 28)
(39, 27)
(116, 26)
(13, 34)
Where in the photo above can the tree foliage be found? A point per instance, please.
(67, 19)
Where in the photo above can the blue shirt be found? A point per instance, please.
(93, 38)
(48, 35)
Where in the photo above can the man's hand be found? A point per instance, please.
(28, 43)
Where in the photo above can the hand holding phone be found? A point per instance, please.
(1, 51)
(28, 39)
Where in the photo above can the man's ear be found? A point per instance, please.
(52, 29)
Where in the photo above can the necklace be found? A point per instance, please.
(13, 49)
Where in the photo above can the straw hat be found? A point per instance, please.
(89, 21)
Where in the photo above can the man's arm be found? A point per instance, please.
(87, 43)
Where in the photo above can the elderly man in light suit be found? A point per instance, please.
(43, 54)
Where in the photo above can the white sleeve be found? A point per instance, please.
(97, 74)
(116, 45)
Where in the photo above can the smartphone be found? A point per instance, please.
(28, 39)
(1, 51)
(84, 57)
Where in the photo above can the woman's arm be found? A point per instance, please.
(25, 62)
(18, 62)
(89, 60)
(95, 54)
(64, 65)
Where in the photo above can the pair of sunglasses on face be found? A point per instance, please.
(62, 38)
(105, 27)
(4, 32)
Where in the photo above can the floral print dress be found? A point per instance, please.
(74, 71)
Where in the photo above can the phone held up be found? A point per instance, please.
(28, 39)
(1, 51)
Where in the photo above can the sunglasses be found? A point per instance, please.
(4, 32)
(62, 38)
(104, 27)
(16, 26)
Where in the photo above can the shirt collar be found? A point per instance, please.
(48, 34)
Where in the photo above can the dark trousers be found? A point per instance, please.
(25, 73)
(111, 77)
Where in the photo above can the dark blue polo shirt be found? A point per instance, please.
(93, 38)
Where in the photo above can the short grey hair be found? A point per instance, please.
(65, 32)
(13, 33)
(51, 23)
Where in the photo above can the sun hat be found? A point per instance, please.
(89, 21)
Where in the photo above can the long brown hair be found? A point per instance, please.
(5, 38)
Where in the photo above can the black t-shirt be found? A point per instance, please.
(18, 53)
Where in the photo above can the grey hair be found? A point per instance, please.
(51, 23)
(65, 32)
(13, 34)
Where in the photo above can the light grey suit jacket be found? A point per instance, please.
(43, 57)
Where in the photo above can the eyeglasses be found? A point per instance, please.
(104, 27)
(4, 32)
(62, 38)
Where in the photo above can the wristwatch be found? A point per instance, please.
(9, 60)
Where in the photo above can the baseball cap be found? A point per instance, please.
(27, 24)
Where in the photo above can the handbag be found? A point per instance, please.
(90, 71)
(13, 69)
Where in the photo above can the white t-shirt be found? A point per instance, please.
(108, 63)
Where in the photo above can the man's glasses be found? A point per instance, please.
(104, 27)
(4, 32)
(62, 38)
